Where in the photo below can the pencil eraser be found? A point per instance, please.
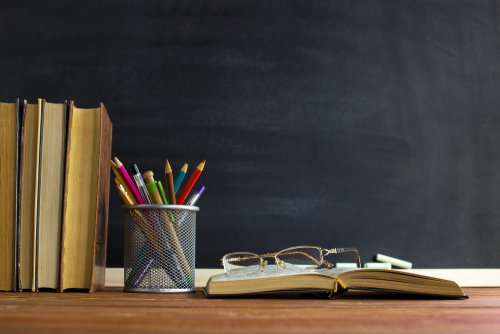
(345, 265)
(200, 190)
(393, 261)
(377, 265)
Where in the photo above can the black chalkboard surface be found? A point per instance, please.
(372, 124)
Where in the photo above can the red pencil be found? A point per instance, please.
(190, 183)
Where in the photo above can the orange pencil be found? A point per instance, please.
(191, 182)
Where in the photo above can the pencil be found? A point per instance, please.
(191, 182)
(180, 177)
(120, 186)
(162, 193)
(170, 184)
(126, 178)
(115, 170)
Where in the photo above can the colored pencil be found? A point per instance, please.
(180, 177)
(162, 193)
(170, 184)
(128, 181)
(191, 182)
(115, 170)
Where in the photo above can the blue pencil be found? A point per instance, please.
(180, 177)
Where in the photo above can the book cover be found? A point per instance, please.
(9, 150)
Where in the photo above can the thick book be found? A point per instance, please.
(9, 149)
(330, 282)
(86, 199)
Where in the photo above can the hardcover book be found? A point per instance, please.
(86, 199)
(9, 140)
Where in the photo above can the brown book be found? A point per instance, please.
(331, 282)
(86, 199)
(9, 139)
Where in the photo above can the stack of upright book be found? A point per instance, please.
(54, 195)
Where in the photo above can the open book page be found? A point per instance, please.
(253, 272)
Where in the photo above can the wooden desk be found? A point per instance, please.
(114, 311)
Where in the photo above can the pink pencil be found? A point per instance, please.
(128, 181)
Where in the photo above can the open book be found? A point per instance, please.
(331, 281)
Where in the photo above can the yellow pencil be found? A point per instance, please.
(115, 170)
(120, 186)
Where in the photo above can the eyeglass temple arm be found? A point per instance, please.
(249, 257)
(343, 250)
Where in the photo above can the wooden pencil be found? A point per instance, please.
(180, 177)
(191, 182)
(170, 184)
(122, 182)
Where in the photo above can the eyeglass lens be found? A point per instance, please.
(303, 257)
(241, 263)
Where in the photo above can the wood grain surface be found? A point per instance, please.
(111, 310)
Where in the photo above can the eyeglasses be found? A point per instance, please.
(305, 257)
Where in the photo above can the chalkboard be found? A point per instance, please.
(369, 124)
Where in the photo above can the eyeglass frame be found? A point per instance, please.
(263, 263)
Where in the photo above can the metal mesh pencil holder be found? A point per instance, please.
(159, 248)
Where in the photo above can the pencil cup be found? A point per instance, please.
(159, 248)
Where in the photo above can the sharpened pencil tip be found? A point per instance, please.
(168, 169)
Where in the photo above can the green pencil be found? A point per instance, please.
(159, 186)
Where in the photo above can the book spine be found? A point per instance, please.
(102, 205)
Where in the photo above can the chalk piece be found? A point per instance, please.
(393, 261)
(345, 265)
(377, 265)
